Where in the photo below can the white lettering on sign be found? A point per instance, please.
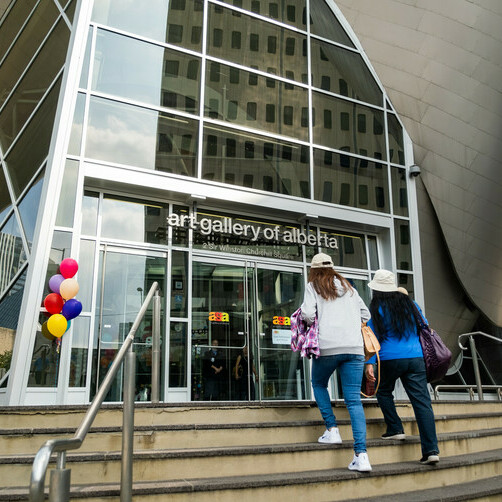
(226, 225)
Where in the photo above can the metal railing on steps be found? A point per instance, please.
(59, 485)
(477, 375)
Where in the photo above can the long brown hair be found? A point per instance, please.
(322, 280)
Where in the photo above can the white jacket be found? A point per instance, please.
(339, 319)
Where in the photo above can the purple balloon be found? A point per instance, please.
(71, 309)
(54, 282)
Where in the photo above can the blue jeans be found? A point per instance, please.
(412, 374)
(350, 367)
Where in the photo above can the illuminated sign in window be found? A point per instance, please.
(219, 317)
(281, 321)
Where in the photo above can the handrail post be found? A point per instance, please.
(475, 365)
(156, 348)
(59, 483)
(128, 427)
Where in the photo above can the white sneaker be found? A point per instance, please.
(331, 436)
(360, 463)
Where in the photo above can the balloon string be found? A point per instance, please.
(58, 352)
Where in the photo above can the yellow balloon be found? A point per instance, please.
(57, 325)
(68, 288)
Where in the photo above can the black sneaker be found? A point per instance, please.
(431, 459)
(394, 435)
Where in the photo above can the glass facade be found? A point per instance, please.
(245, 96)
(34, 39)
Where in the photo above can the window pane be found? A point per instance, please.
(12, 254)
(33, 85)
(178, 355)
(179, 286)
(338, 178)
(79, 351)
(131, 220)
(10, 307)
(406, 281)
(396, 142)
(179, 234)
(403, 244)
(259, 162)
(25, 47)
(28, 209)
(372, 141)
(44, 369)
(31, 148)
(85, 65)
(350, 250)
(144, 138)
(151, 19)
(290, 12)
(13, 22)
(373, 251)
(5, 201)
(224, 92)
(146, 72)
(325, 24)
(399, 191)
(89, 213)
(255, 36)
(70, 10)
(66, 206)
(60, 249)
(76, 126)
(86, 269)
(333, 63)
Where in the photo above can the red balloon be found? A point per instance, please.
(68, 267)
(53, 303)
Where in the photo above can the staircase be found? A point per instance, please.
(259, 452)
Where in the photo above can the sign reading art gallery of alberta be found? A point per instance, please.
(229, 234)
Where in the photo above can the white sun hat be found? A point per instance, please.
(384, 280)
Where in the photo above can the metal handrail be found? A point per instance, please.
(60, 477)
(474, 354)
(469, 388)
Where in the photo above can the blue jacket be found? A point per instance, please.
(393, 347)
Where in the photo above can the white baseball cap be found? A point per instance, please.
(321, 260)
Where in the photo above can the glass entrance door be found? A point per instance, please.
(125, 278)
(278, 294)
(241, 332)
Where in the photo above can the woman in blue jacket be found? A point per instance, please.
(393, 322)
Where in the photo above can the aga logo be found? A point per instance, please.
(281, 321)
(219, 317)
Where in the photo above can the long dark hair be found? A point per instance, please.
(323, 281)
(397, 308)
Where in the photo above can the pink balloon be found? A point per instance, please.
(69, 288)
(68, 267)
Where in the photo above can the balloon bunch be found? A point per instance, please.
(61, 303)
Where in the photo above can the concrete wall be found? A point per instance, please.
(441, 63)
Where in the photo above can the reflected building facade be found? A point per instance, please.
(210, 146)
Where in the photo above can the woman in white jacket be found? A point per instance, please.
(339, 311)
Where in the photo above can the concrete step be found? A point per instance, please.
(147, 414)
(100, 439)
(397, 481)
(155, 465)
(480, 490)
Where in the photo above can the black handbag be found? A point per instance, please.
(437, 355)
